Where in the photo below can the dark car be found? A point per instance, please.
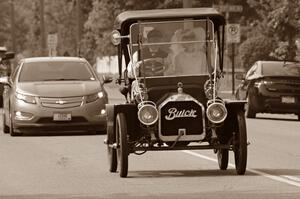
(271, 87)
(173, 63)
(54, 94)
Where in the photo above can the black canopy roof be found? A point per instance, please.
(125, 19)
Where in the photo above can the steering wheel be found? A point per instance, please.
(153, 67)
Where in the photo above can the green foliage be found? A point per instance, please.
(279, 19)
(100, 24)
(5, 23)
(275, 19)
(255, 48)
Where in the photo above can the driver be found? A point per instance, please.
(154, 57)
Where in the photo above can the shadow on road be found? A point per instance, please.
(55, 133)
(280, 172)
(182, 173)
(207, 173)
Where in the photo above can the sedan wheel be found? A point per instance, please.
(250, 112)
(5, 127)
(11, 129)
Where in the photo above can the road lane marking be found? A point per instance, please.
(276, 178)
(292, 178)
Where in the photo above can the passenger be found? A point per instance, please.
(192, 60)
(155, 58)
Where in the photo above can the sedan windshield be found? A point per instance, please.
(55, 71)
(289, 69)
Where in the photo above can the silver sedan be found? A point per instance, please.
(54, 94)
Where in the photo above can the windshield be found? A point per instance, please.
(55, 71)
(281, 69)
(173, 47)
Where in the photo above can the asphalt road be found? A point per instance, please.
(64, 166)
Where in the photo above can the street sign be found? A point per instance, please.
(52, 44)
(229, 8)
(52, 41)
(233, 33)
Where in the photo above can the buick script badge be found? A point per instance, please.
(174, 113)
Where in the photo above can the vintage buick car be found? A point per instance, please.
(170, 68)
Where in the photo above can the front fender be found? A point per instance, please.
(130, 111)
(231, 123)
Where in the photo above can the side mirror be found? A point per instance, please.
(5, 81)
(116, 37)
(8, 55)
(107, 79)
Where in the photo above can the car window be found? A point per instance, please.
(252, 71)
(14, 74)
(55, 71)
(281, 69)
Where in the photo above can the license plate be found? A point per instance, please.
(62, 117)
(288, 100)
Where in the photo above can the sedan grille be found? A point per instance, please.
(60, 103)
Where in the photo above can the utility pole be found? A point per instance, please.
(12, 24)
(187, 3)
(78, 35)
(43, 37)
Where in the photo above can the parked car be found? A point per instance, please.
(53, 94)
(171, 104)
(271, 87)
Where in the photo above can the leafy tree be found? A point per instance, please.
(100, 24)
(255, 48)
(279, 19)
(33, 37)
(5, 23)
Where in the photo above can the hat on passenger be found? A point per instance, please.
(154, 33)
(189, 36)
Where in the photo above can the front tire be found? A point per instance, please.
(122, 150)
(240, 144)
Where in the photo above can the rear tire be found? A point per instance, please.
(112, 152)
(122, 150)
(222, 155)
(240, 144)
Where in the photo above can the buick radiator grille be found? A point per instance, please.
(181, 115)
(66, 102)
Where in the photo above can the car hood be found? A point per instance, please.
(59, 88)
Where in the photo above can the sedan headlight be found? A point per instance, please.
(147, 113)
(94, 97)
(216, 112)
(26, 98)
